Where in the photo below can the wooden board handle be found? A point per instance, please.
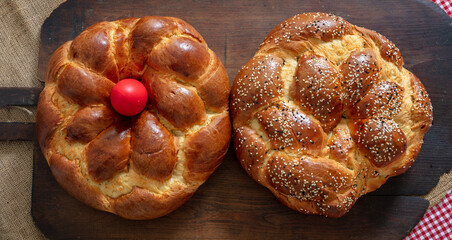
(17, 131)
(16, 96)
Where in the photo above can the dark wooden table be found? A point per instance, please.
(230, 204)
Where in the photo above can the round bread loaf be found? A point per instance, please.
(325, 112)
(145, 166)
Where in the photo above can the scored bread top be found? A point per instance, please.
(325, 112)
(144, 166)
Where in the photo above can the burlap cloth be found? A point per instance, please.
(20, 26)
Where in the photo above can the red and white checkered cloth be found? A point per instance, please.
(436, 223)
(446, 5)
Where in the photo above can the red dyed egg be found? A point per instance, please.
(129, 97)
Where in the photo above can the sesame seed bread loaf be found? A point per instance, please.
(145, 166)
(325, 112)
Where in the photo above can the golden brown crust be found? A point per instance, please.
(185, 57)
(333, 118)
(205, 148)
(251, 149)
(291, 130)
(262, 72)
(83, 86)
(144, 166)
(149, 31)
(382, 100)
(68, 175)
(379, 139)
(180, 105)
(388, 50)
(342, 147)
(290, 33)
(295, 178)
(93, 49)
(103, 160)
(317, 79)
(142, 204)
(48, 117)
(58, 60)
(88, 122)
(361, 71)
(213, 90)
(146, 33)
(156, 160)
(421, 111)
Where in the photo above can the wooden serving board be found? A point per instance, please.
(230, 204)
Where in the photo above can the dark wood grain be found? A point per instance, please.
(17, 131)
(230, 204)
(16, 96)
(223, 208)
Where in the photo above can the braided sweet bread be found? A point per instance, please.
(145, 166)
(325, 112)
